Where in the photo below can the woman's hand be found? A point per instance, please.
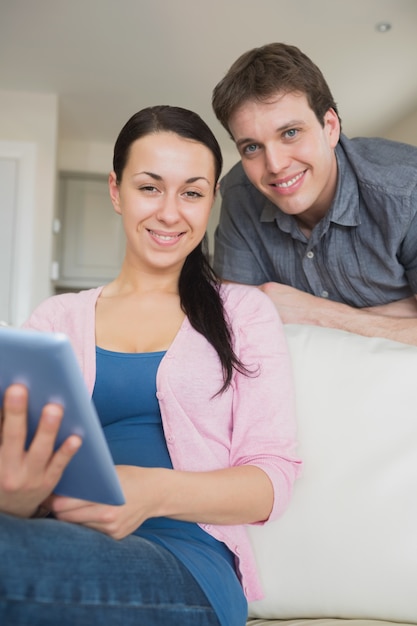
(230, 496)
(27, 477)
(140, 488)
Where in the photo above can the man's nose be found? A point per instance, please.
(275, 159)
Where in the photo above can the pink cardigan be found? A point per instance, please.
(252, 423)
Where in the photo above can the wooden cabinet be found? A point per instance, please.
(90, 239)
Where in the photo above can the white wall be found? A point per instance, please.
(96, 158)
(33, 117)
(79, 156)
(405, 130)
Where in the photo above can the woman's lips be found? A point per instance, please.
(165, 238)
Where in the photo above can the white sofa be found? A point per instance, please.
(346, 548)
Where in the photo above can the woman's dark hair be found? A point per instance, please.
(263, 72)
(198, 284)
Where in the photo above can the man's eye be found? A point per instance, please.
(291, 133)
(250, 149)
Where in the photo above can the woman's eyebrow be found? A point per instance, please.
(151, 174)
(193, 179)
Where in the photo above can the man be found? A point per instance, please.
(326, 225)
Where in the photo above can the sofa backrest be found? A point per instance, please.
(347, 544)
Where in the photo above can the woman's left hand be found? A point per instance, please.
(115, 521)
(234, 495)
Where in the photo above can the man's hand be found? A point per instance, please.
(401, 308)
(396, 321)
(299, 307)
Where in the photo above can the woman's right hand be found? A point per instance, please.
(27, 477)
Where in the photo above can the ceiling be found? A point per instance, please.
(106, 59)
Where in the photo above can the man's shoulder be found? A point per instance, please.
(378, 149)
(235, 177)
(238, 193)
(379, 152)
(382, 162)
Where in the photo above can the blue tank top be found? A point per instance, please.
(126, 402)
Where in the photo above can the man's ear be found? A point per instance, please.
(332, 125)
(114, 192)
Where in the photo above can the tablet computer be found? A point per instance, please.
(46, 363)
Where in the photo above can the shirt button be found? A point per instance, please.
(324, 294)
(310, 255)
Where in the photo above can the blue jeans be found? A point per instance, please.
(58, 574)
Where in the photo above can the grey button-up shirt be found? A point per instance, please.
(363, 252)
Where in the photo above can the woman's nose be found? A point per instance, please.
(168, 211)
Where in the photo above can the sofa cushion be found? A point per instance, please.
(321, 622)
(347, 545)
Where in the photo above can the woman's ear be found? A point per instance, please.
(114, 192)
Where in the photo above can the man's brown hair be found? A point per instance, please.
(271, 69)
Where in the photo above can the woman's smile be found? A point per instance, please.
(165, 198)
(165, 238)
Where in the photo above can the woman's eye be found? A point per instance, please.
(149, 188)
(193, 194)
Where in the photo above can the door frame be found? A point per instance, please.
(24, 154)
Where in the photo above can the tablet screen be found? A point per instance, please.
(46, 363)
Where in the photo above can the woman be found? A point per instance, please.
(192, 384)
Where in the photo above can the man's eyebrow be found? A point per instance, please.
(280, 129)
(241, 142)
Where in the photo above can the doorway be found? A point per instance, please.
(17, 202)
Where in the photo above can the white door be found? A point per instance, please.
(17, 202)
(8, 174)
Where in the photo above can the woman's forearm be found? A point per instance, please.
(237, 495)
